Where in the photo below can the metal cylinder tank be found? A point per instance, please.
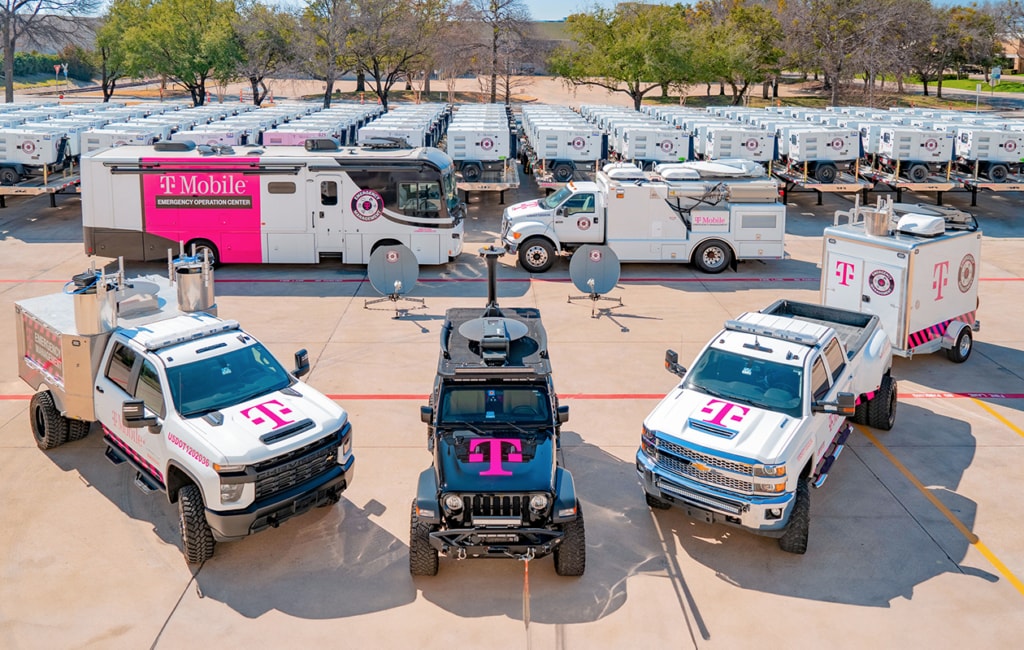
(95, 303)
(194, 278)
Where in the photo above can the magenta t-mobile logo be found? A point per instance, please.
(495, 446)
(941, 275)
(272, 410)
(844, 271)
(721, 411)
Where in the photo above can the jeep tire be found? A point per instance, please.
(882, 407)
(196, 537)
(49, 427)
(794, 540)
(571, 554)
(422, 556)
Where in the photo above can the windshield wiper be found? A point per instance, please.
(472, 427)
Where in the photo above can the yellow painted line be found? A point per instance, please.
(996, 415)
(966, 532)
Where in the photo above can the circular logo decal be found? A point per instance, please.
(578, 143)
(1010, 145)
(931, 144)
(595, 255)
(583, 223)
(965, 276)
(391, 257)
(28, 146)
(881, 282)
(367, 205)
(837, 143)
(666, 146)
(487, 144)
(751, 144)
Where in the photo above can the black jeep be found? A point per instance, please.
(497, 487)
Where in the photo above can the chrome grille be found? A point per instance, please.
(283, 473)
(707, 459)
(712, 477)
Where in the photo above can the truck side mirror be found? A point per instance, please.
(672, 363)
(845, 405)
(563, 413)
(426, 414)
(133, 414)
(301, 363)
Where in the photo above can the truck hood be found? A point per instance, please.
(526, 210)
(468, 465)
(722, 425)
(271, 424)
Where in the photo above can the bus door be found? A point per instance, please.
(326, 212)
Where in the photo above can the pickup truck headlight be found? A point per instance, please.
(647, 441)
(228, 469)
(346, 445)
(770, 487)
(770, 470)
(231, 492)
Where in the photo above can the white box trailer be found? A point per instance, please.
(479, 146)
(915, 152)
(918, 272)
(23, 149)
(737, 142)
(820, 151)
(211, 135)
(563, 150)
(295, 135)
(654, 145)
(97, 139)
(989, 152)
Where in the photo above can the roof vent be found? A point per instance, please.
(174, 145)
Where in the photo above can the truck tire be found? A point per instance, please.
(422, 556)
(196, 537)
(997, 173)
(860, 415)
(562, 172)
(655, 502)
(882, 408)
(471, 172)
(712, 256)
(794, 540)
(917, 173)
(536, 255)
(204, 246)
(78, 429)
(49, 427)
(571, 554)
(962, 349)
(9, 176)
(825, 173)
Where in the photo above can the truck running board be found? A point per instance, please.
(114, 456)
(838, 444)
(145, 483)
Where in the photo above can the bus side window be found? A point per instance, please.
(328, 193)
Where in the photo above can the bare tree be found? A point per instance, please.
(325, 26)
(505, 23)
(266, 34)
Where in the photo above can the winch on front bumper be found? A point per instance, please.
(483, 541)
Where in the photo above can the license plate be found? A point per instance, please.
(700, 515)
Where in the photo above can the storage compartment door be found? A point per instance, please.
(884, 292)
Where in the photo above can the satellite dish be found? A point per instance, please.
(393, 271)
(594, 269)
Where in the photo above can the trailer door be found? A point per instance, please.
(869, 287)
(326, 212)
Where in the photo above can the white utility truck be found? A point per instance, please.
(915, 266)
(198, 408)
(710, 213)
(761, 415)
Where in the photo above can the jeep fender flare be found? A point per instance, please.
(427, 506)
(565, 496)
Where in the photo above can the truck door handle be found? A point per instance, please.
(865, 298)
(595, 219)
(99, 390)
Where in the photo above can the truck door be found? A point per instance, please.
(824, 426)
(326, 208)
(577, 220)
(869, 287)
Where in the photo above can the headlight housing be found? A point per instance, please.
(773, 471)
(539, 503)
(648, 441)
(453, 503)
(771, 487)
(231, 492)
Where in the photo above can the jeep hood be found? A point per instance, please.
(468, 466)
(723, 425)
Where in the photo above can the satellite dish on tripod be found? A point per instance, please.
(595, 270)
(393, 271)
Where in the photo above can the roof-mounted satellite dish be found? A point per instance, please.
(595, 270)
(393, 271)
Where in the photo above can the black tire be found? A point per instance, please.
(537, 255)
(656, 503)
(860, 415)
(562, 173)
(49, 427)
(471, 172)
(78, 429)
(422, 556)
(9, 176)
(571, 554)
(712, 256)
(962, 349)
(196, 537)
(202, 246)
(997, 173)
(918, 173)
(882, 408)
(825, 173)
(794, 540)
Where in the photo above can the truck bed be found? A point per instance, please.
(853, 328)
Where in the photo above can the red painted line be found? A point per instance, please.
(961, 395)
(500, 280)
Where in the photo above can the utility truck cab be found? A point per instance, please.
(761, 416)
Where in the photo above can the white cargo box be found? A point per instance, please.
(31, 146)
(989, 145)
(824, 145)
(481, 143)
(97, 139)
(909, 144)
(655, 144)
(576, 144)
(294, 136)
(745, 144)
(210, 136)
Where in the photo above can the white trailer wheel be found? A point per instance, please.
(961, 350)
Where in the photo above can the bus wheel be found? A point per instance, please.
(203, 248)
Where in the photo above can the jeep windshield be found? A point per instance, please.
(758, 382)
(477, 408)
(224, 380)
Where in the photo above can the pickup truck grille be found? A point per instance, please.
(288, 470)
(705, 468)
(711, 475)
(496, 505)
(707, 459)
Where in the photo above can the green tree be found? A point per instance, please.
(110, 53)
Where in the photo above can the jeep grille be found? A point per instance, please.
(496, 505)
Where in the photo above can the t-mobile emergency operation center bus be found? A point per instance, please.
(270, 205)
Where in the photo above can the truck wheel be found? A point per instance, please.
(471, 172)
(917, 173)
(9, 176)
(882, 408)
(794, 540)
(997, 173)
(562, 172)
(825, 173)
(571, 554)
(422, 556)
(203, 247)
(49, 427)
(655, 502)
(78, 429)
(964, 344)
(537, 255)
(860, 415)
(196, 537)
(712, 256)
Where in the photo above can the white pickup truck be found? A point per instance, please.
(761, 416)
(198, 408)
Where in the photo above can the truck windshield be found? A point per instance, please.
(224, 380)
(481, 406)
(555, 200)
(758, 382)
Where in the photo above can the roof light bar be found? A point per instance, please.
(198, 332)
(772, 332)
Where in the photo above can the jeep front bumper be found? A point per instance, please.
(480, 541)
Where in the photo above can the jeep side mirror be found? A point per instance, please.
(301, 363)
(845, 405)
(672, 363)
(426, 414)
(133, 414)
(563, 413)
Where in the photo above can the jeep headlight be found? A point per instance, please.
(769, 470)
(539, 503)
(231, 492)
(453, 503)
